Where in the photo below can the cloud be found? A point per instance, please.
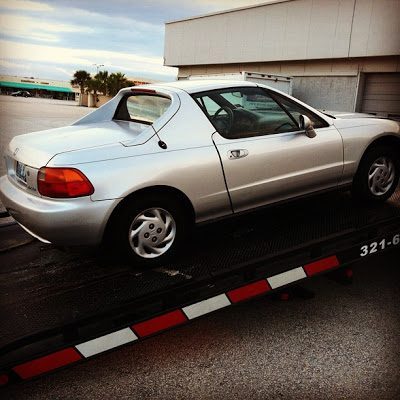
(36, 29)
(25, 5)
(219, 3)
(82, 57)
(11, 65)
(64, 71)
(228, 4)
(103, 20)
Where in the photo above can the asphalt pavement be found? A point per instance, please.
(341, 344)
(19, 115)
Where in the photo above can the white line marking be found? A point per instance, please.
(286, 277)
(106, 342)
(206, 306)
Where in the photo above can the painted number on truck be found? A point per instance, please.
(374, 247)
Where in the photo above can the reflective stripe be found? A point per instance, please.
(286, 277)
(206, 306)
(159, 323)
(47, 363)
(106, 342)
(248, 291)
(321, 265)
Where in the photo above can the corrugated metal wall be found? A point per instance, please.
(334, 93)
(291, 30)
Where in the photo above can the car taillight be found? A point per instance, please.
(63, 182)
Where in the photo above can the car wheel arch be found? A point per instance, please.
(385, 140)
(160, 190)
(387, 148)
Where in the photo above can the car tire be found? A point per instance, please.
(377, 176)
(150, 230)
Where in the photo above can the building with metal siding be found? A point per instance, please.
(343, 54)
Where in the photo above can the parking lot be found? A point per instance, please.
(19, 115)
(343, 343)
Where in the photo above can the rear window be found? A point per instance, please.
(142, 108)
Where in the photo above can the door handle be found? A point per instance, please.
(240, 153)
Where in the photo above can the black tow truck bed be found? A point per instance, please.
(62, 306)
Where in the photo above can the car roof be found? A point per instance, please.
(195, 86)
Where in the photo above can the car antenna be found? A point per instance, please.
(161, 143)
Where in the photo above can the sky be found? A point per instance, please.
(53, 38)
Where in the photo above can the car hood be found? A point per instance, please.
(36, 149)
(347, 115)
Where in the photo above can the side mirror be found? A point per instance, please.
(306, 125)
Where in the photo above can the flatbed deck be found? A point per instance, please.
(53, 298)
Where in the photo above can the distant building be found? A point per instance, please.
(344, 55)
(48, 88)
(140, 81)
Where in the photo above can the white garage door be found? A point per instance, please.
(382, 95)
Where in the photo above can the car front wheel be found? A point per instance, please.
(378, 175)
(150, 230)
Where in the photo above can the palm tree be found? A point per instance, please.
(102, 77)
(94, 86)
(117, 81)
(81, 78)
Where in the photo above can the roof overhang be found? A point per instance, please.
(32, 86)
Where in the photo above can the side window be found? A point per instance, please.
(235, 98)
(245, 112)
(142, 108)
(209, 105)
(296, 110)
(217, 114)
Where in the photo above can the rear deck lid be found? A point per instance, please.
(36, 149)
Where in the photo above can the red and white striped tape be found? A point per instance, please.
(165, 321)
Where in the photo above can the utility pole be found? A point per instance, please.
(97, 67)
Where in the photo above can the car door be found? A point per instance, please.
(265, 156)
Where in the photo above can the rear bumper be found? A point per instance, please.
(79, 221)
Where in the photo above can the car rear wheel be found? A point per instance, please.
(149, 230)
(378, 174)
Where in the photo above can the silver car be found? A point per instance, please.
(141, 170)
